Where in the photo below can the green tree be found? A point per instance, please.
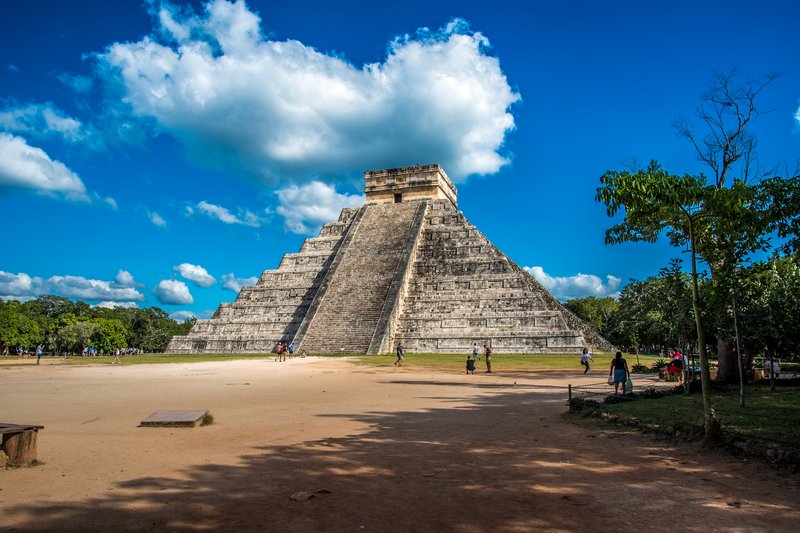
(655, 202)
(597, 312)
(109, 335)
(75, 337)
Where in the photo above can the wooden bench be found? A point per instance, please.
(18, 441)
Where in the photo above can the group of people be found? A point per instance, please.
(471, 358)
(284, 348)
(475, 356)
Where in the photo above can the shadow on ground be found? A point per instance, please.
(506, 462)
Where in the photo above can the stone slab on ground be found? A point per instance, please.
(173, 418)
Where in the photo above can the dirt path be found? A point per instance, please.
(398, 450)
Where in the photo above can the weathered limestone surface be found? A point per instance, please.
(407, 266)
(273, 309)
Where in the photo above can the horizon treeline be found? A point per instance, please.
(61, 326)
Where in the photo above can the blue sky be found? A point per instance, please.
(156, 153)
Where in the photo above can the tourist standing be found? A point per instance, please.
(475, 351)
(38, 353)
(400, 354)
(619, 371)
(487, 353)
(585, 358)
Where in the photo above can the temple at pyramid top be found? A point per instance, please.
(395, 185)
(406, 267)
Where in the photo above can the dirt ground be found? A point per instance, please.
(397, 449)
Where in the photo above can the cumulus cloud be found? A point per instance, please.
(232, 283)
(41, 120)
(112, 305)
(20, 284)
(307, 207)
(91, 289)
(173, 292)
(195, 273)
(577, 286)
(27, 167)
(222, 214)
(281, 109)
(26, 286)
(125, 279)
(180, 316)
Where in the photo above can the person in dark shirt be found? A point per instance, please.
(619, 370)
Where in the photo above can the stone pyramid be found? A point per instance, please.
(406, 266)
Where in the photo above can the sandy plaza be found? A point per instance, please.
(380, 449)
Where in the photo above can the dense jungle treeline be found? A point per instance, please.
(61, 325)
(656, 313)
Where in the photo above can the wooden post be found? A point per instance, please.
(569, 391)
(21, 447)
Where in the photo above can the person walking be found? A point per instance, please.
(487, 353)
(116, 357)
(400, 354)
(619, 371)
(475, 355)
(38, 353)
(585, 358)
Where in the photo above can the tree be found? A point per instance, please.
(109, 335)
(728, 148)
(75, 337)
(655, 202)
(595, 311)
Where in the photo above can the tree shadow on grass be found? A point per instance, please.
(504, 462)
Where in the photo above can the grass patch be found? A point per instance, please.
(419, 361)
(769, 425)
(207, 420)
(160, 358)
(500, 362)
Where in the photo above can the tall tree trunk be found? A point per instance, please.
(728, 368)
(705, 374)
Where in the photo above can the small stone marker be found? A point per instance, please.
(171, 418)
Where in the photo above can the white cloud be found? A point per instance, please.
(180, 316)
(307, 207)
(28, 167)
(174, 292)
(20, 284)
(195, 273)
(222, 214)
(125, 279)
(797, 115)
(91, 289)
(281, 109)
(111, 202)
(156, 219)
(42, 120)
(112, 305)
(232, 283)
(577, 286)
(121, 290)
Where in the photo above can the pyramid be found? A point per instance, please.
(406, 266)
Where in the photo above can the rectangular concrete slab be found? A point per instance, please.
(172, 418)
